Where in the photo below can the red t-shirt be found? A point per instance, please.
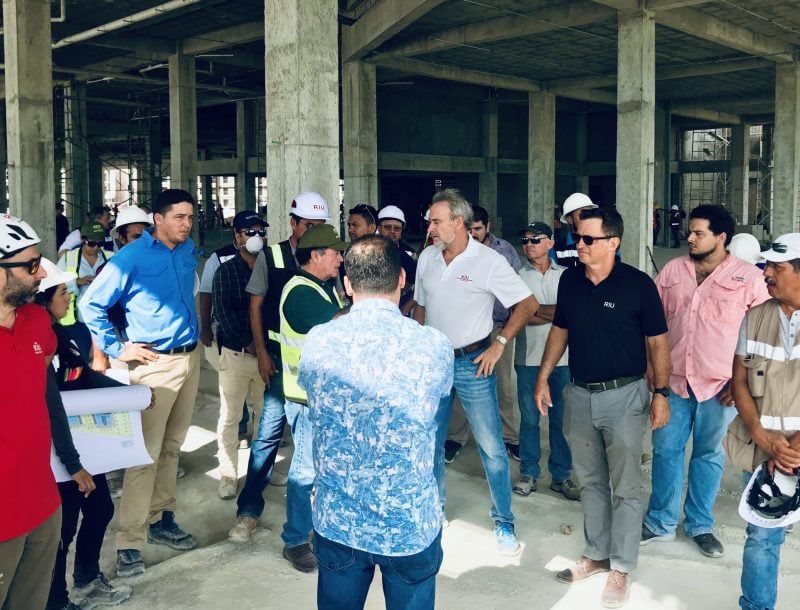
(28, 492)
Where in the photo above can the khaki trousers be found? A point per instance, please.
(149, 490)
(26, 565)
(458, 430)
(239, 379)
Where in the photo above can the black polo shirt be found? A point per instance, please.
(607, 324)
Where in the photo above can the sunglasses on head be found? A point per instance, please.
(92, 243)
(779, 248)
(32, 265)
(590, 239)
(254, 232)
(532, 240)
(362, 209)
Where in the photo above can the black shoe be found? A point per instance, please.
(709, 545)
(68, 605)
(300, 557)
(100, 592)
(451, 449)
(129, 563)
(649, 536)
(513, 451)
(168, 533)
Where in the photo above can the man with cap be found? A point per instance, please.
(566, 249)
(30, 512)
(308, 299)
(766, 390)
(391, 223)
(99, 214)
(361, 221)
(153, 279)
(705, 296)
(273, 268)
(542, 276)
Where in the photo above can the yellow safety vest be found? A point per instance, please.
(292, 341)
(72, 266)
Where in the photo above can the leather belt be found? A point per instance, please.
(473, 347)
(186, 349)
(612, 384)
(238, 350)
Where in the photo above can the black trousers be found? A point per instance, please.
(97, 511)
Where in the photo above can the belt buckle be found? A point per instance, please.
(597, 386)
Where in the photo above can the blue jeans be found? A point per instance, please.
(297, 529)
(263, 450)
(530, 450)
(345, 574)
(479, 398)
(707, 422)
(760, 561)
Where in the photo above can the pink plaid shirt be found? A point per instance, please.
(704, 320)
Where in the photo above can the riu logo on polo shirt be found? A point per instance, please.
(37, 349)
(464, 278)
(609, 305)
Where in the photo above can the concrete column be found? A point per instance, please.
(95, 181)
(183, 127)
(360, 134)
(764, 213)
(662, 195)
(151, 181)
(302, 92)
(487, 179)
(76, 153)
(245, 181)
(739, 199)
(3, 158)
(541, 156)
(29, 109)
(636, 132)
(786, 173)
(208, 199)
(581, 151)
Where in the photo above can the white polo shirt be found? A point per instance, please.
(531, 341)
(459, 297)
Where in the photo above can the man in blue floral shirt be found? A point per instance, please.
(374, 380)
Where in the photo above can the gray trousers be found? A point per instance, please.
(605, 432)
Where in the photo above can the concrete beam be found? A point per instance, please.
(431, 163)
(503, 28)
(382, 21)
(666, 5)
(703, 26)
(706, 114)
(722, 101)
(224, 38)
(145, 47)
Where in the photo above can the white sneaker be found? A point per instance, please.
(244, 528)
(228, 487)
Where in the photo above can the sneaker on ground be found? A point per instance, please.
(649, 536)
(525, 485)
(451, 449)
(618, 588)
(507, 543)
(180, 473)
(300, 557)
(513, 450)
(168, 533)
(228, 487)
(243, 530)
(583, 568)
(129, 563)
(709, 545)
(100, 592)
(115, 487)
(566, 488)
(244, 442)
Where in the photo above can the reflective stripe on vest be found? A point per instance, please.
(72, 267)
(292, 341)
(277, 256)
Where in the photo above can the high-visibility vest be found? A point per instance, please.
(72, 265)
(292, 341)
(279, 263)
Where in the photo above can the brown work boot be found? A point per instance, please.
(618, 588)
(583, 568)
(243, 530)
(300, 557)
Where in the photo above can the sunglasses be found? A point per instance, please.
(779, 248)
(32, 265)
(92, 243)
(254, 232)
(391, 228)
(532, 240)
(589, 239)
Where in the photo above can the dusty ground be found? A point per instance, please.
(221, 575)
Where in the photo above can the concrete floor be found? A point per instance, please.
(473, 576)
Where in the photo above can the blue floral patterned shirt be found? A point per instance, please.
(374, 380)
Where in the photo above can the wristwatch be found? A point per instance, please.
(665, 392)
(502, 340)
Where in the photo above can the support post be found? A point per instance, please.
(786, 173)
(360, 134)
(739, 200)
(487, 179)
(183, 126)
(245, 182)
(541, 156)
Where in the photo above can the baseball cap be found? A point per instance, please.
(537, 228)
(785, 248)
(246, 219)
(322, 236)
(393, 212)
(93, 231)
(771, 501)
(310, 205)
(55, 276)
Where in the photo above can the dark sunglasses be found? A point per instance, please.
(254, 232)
(589, 239)
(92, 243)
(779, 248)
(531, 240)
(32, 265)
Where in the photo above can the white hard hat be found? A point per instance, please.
(771, 500)
(745, 247)
(130, 215)
(55, 276)
(576, 201)
(393, 212)
(15, 235)
(310, 206)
